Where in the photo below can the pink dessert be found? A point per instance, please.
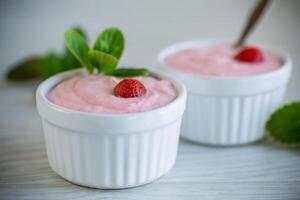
(95, 94)
(219, 60)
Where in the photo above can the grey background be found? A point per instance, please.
(264, 170)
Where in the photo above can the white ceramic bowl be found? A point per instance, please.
(110, 151)
(228, 110)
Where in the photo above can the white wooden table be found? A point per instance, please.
(264, 170)
(259, 171)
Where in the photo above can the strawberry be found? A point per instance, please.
(128, 88)
(249, 54)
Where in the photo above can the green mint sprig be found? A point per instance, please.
(105, 55)
(44, 66)
(284, 124)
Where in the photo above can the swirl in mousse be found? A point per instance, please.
(110, 95)
(223, 60)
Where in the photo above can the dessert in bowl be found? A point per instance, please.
(231, 92)
(106, 127)
(102, 146)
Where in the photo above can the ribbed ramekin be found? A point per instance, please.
(110, 151)
(228, 110)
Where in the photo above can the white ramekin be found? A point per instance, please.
(228, 110)
(110, 151)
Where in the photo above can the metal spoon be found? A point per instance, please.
(252, 21)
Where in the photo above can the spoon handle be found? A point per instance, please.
(252, 21)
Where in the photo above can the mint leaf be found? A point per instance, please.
(80, 31)
(79, 48)
(130, 72)
(102, 61)
(25, 70)
(111, 41)
(69, 61)
(45, 65)
(51, 65)
(284, 124)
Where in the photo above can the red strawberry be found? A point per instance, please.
(128, 88)
(249, 54)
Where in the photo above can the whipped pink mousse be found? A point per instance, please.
(94, 93)
(219, 60)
